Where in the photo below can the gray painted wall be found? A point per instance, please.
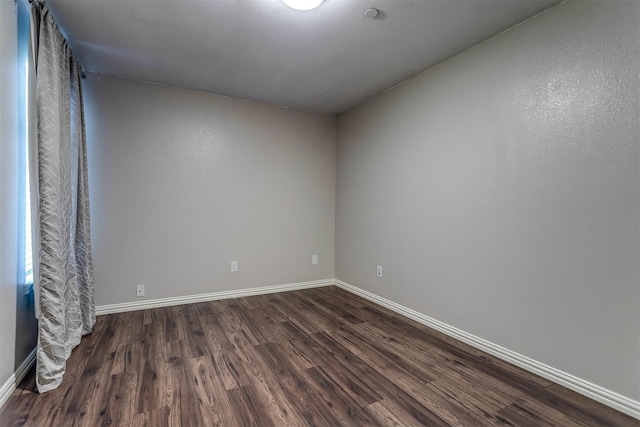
(8, 186)
(182, 183)
(499, 192)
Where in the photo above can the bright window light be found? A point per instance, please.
(303, 4)
(25, 261)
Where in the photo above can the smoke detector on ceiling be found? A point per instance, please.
(371, 13)
(303, 4)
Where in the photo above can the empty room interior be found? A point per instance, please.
(320, 212)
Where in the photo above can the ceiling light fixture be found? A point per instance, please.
(303, 4)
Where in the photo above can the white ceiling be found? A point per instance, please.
(326, 60)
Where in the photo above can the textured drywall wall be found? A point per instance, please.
(8, 186)
(182, 183)
(499, 192)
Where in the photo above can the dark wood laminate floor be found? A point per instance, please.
(320, 357)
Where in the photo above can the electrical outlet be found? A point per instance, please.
(379, 271)
(234, 266)
(314, 259)
(140, 290)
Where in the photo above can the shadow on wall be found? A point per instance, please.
(26, 326)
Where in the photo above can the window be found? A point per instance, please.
(28, 256)
(25, 258)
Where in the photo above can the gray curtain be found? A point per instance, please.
(65, 270)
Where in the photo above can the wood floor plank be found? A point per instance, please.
(350, 371)
(453, 412)
(341, 297)
(124, 402)
(230, 368)
(170, 318)
(296, 312)
(20, 405)
(248, 407)
(195, 341)
(296, 345)
(342, 405)
(185, 398)
(295, 387)
(387, 417)
(437, 364)
(582, 407)
(475, 407)
(151, 364)
(248, 320)
(213, 401)
(519, 417)
(155, 418)
(234, 327)
(411, 410)
(269, 306)
(386, 378)
(109, 410)
(283, 412)
(214, 332)
(516, 372)
(316, 357)
(264, 383)
(333, 314)
(380, 357)
(416, 386)
(480, 396)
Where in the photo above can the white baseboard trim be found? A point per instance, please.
(610, 398)
(6, 389)
(25, 366)
(189, 299)
(16, 378)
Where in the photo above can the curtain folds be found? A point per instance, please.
(65, 292)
